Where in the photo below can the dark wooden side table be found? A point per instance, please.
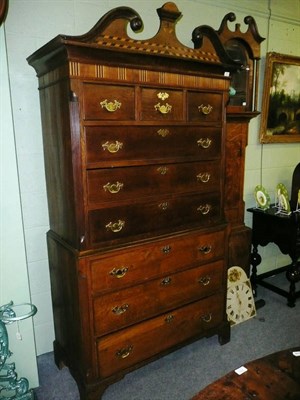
(284, 231)
(274, 377)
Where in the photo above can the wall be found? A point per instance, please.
(30, 24)
(14, 285)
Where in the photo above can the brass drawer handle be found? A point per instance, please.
(112, 147)
(169, 318)
(166, 281)
(113, 187)
(205, 280)
(110, 106)
(204, 143)
(164, 206)
(163, 132)
(162, 170)
(207, 317)
(205, 109)
(115, 226)
(118, 272)
(125, 352)
(166, 249)
(163, 108)
(205, 249)
(204, 209)
(204, 177)
(119, 310)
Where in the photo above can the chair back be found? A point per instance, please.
(295, 187)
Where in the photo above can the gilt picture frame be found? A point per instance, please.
(280, 117)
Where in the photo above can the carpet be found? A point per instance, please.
(182, 374)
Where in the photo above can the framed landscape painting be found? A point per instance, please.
(280, 118)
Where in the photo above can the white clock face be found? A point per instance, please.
(240, 304)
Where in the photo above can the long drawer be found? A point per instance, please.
(125, 267)
(132, 183)
(118, 145)
(125, 307)
(129, 346)
(160, 216)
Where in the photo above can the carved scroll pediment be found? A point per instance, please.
(250, 38)
(110, 32)
(110, 35)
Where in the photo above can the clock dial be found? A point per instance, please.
(240, 304)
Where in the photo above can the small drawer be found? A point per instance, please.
(161, 105)
(205, 107)
(125, 307)
(115, 146)
(132, 345)
(130, 183)
(124, 223)
(103, 102)
(119, 269)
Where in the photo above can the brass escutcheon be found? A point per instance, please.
(113, 187)
(163, 132)
(163, 95)
(205, 109)
(110, 106)
(169, 318)
(163, 206)
(166, 281)
(112, 147)
(162, 170)
(166, 249)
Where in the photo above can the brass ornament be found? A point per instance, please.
(205, 143)
(113, 188)
(110, 106)
(112, 147)
(205, 109)
(115, 226)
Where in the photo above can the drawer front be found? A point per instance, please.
(161, 216)
(116, 145)
(161, 105)
(130, 183)
(103, 102)
(126, 307)
(205, 107)
(126, 267)
(142, 341)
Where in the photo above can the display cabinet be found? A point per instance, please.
(244, 48)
